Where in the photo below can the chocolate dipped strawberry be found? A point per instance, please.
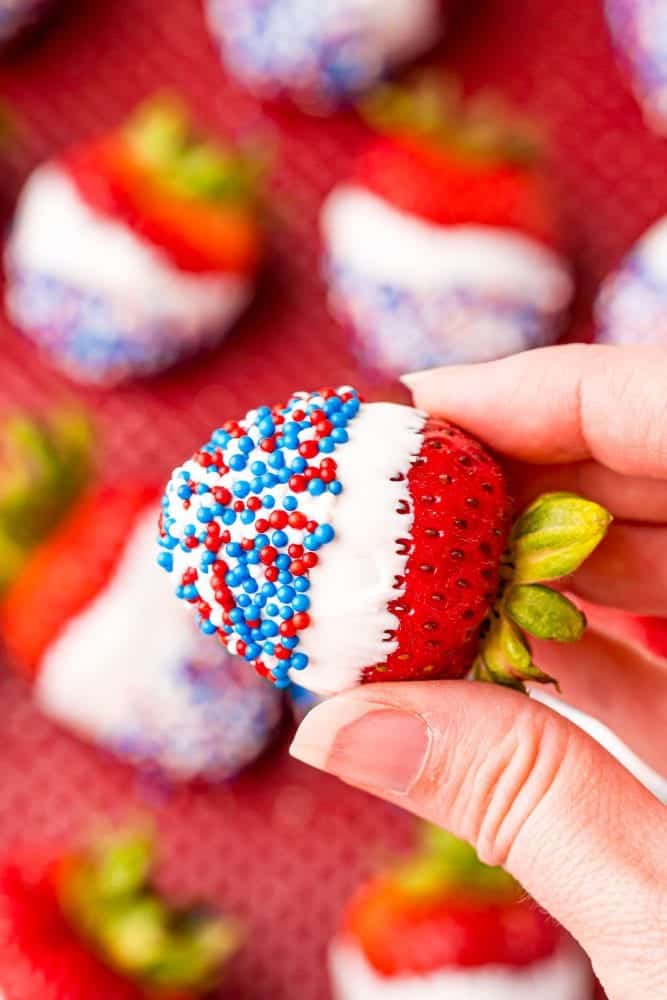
(88, 924)
(442, 924)
(333, 543)
(74, 622)
(443, 245)
(136, 249)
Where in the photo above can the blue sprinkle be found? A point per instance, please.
(252, 651)
(316, 487)
(247, 516)
(189, 529)
(312, 543)
(299, 661)
(269, 501)
(290, 642)
(336, 487)
(283, 561)
(241, 489)
(184, 492)
(258, 468)
(269, 648)
(243, 601)
(298, 464)
(282, 683)
(228, 516)
(205, 514)
(301, 602)
(269, 589)
(220, 438)
(237, 463)
(286, 595)
(166, 561)
(245, 444)
(327, 445)
(290, 503)
(284, 577)
(276, 460)
(272, 610)
(286, 613)
(325, 533)
(301, 584)
(338, 419)
(207, 627)
(236, 616)
(266, 427)
(284, 476)
(250, 586)
(332, 405)
(269, 480)
(279, 538)
(268, 629)
(339, 435)
(257, 484)
(252, 558)
(233, 549)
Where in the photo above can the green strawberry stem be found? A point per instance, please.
(432, 107)
(550, 540)
(164, 140)
(107, 894)
(44, 465)
(444, 865)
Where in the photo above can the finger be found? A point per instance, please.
(530, 791)
(627, 571)
(619, 685)
(561, 404)
(627, 498)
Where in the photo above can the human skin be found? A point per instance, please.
(530, 790)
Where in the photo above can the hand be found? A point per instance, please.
(526, 787)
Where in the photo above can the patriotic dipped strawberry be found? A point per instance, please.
(444, 925)
(638, 29)
(443, 245)
(88, 924)
(332, 542)
(44, 464)
(320, 53)
(75, 623)
(135, 250)
(631, 307)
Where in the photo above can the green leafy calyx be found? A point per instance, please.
(107, 894)
(432, 107)
(550, 540)
(165, 142)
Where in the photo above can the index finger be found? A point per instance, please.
(560, 404)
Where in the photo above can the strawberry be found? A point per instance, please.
(193, 199)
(44, 463)
(74, 621)
(332, 542)
(456, 165)
(443, 244)
(58, 582)
(90, 924)
(443, 912)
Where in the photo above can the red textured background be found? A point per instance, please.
(282, 846)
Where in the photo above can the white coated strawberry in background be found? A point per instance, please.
(135, 250)
(639, 31)
(92, 622)
(321, 52)
(332, 542)
(18, 15)
(631, 307)
(443, 244)
(443, 925)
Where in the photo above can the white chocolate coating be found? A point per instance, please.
(354, 580)
(563, 976)
(132, 672)
(57, 234)
(388, 244)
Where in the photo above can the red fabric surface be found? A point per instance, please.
(282, 846)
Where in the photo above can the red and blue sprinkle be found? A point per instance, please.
(235, 534)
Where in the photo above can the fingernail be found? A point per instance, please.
(412, 379)
(364, 743)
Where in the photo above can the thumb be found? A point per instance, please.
(530, 791)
